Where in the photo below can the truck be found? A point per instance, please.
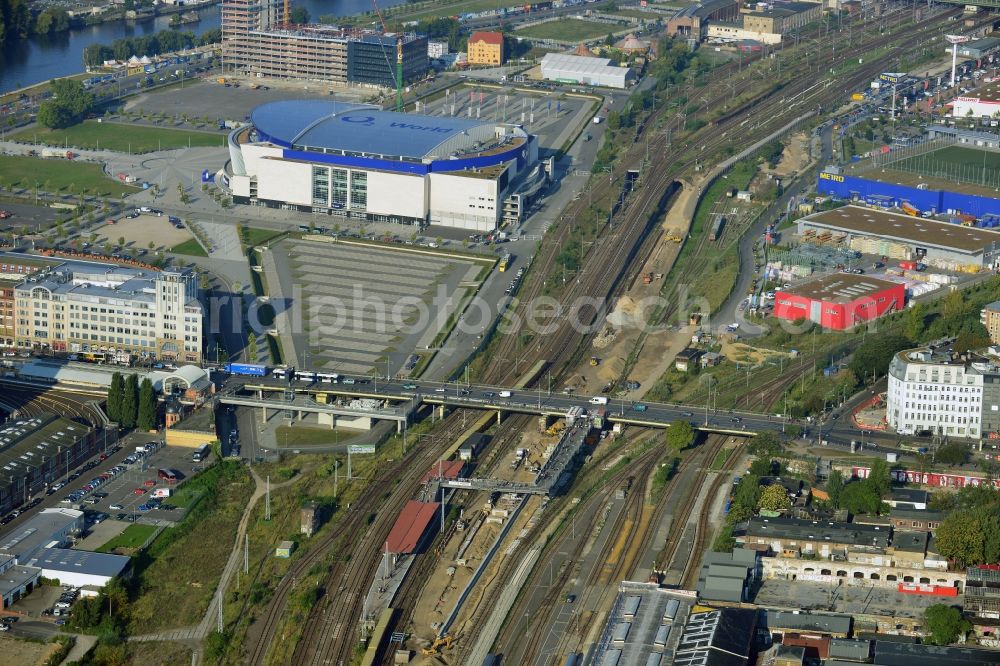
(597, 120)
(51, 152)
(910, 209)
(250, 369)
(598, 400)
(162, 492)
(908, 265)
(857, 97)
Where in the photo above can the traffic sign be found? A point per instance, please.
(361, 449)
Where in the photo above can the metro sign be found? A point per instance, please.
(891, 77)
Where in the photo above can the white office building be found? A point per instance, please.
(933, 390)
(91, 307)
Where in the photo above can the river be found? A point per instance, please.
(29, 61)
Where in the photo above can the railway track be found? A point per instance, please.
(322, 642)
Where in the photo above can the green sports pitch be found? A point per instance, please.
(957, 163)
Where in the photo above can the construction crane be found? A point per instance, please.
(399, 58)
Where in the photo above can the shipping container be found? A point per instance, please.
(251, 369)
(928, 590)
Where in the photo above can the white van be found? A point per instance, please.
(598, 400)
(504, 394)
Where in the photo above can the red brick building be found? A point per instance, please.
(839, 301)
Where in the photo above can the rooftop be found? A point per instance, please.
(16, 577)
(645, 619)
(363, 130)
(904, 228)
(720, 637)
(449, 469)
(851, 534)
(855, 649)
(909, 542)
(38, 531)
(28, 443)
(912, 495)
(912, 654)
(79, 561)
(579, 64)
(839, 287)
(494, 38)
(989, 92)
(822, 623)
(406, 533)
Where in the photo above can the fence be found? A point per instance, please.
(921, 160)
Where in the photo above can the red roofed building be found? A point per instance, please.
(448, 469)
(486, 48)
(411, 527)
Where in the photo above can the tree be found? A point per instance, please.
(872, 357)
(914, 322)
(765, 445)
(146, 419)
(968, 536)
(858, 497)
(774, 498)
(680, 435)
(70, 102)
(762, 467)
(878, 478)
(953, 453)
(130, 402)
(835, 486)
(114, 401)
(944, 624)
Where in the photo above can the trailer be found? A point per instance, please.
(250, 369)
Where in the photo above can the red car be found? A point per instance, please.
(139, 491)
(104, 456)
(149, 483)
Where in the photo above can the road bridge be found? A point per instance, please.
(408, 395)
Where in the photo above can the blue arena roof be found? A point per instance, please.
(359, 128)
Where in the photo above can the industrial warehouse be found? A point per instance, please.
(898, 236)
(839, 301)
(364, 163)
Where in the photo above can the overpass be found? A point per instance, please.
(406, 396)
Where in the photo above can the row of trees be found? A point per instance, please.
(862, 495)
(130, 404)
(164, 41)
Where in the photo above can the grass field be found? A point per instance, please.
(120, 137)
(720, 459)
(980, 167)
(306, 436)
(133, 537)
(55, 175)
(191, 247)
(255, 236)
(567, 29)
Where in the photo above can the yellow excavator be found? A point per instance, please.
(440, 643)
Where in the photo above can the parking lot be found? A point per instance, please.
(139, 232)
(860, 599)
(128, 494)
(33, 218)
(363, 306)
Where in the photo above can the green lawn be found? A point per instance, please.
(121, 137)
(133, 537)
(957, 162)
(58, 175)
(568, 29)
(720, 459)
(254, 236)
(190, 247)
(309, 436)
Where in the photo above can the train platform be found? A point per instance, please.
(384, 586)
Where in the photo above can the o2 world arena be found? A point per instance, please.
(361, 162)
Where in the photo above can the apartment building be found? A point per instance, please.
(83, 307)
(935, 390)
(486, 48)
(990, 316)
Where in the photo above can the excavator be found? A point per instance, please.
(440, 643)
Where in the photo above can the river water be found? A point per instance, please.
(29, 61)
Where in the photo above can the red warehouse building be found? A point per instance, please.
(839, 301)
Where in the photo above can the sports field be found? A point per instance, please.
(120, 137)
(568, 30)
(955, 163)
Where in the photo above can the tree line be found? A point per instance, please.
(164, 41)
(69, 104)
(17, 21)
(131, 404)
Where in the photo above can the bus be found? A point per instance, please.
(305, 376)
(327, 377)
(504, 262)
(200, 454)
(279, 373)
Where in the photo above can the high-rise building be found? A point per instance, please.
(77, 307)
(990, 316)
(256, 42)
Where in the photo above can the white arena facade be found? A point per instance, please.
(361, 162)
